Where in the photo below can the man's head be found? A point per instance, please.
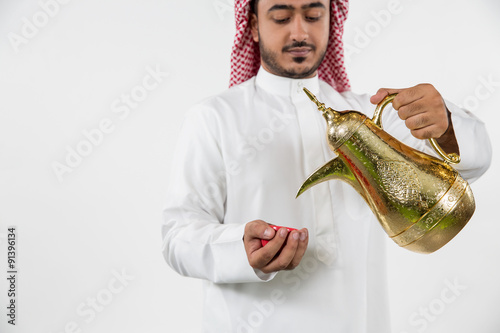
(292, 35)
(293, 45)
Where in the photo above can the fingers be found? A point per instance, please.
(425, 133)
(284, 250)
(303, 238)
(291, 254)
(421, 107)
(382, 93)
(263, 255)
(426, 115)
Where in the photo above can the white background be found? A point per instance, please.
(78, 231)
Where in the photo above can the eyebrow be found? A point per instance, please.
(290, 7)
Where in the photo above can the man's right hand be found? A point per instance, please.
(266, 258)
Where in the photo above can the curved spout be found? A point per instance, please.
(334, 169)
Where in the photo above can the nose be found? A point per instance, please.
(298, 29)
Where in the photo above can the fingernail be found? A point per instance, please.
(268, 233)
(295, 235)
(303, 235)
(283, 232)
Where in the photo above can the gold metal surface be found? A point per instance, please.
(377, 119)
(420, 201)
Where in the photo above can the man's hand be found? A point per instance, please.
(424, 112)
(266, 258)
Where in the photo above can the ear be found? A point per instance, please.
(254, 26)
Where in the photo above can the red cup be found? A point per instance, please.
(275, 227)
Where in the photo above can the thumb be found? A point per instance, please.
(382, 93)
(259, 229)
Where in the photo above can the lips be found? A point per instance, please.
(299, 51)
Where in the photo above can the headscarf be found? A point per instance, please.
(245, 56)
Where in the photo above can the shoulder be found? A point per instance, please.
(217, 113)
(227, 101)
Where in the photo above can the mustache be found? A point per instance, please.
(287, 48)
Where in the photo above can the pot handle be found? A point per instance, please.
(377, 119)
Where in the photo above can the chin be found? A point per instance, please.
(300, 72)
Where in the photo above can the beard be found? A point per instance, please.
(270, 58)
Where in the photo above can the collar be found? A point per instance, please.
(284, 86)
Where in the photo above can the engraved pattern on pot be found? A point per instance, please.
(435, 215)
(400, 181)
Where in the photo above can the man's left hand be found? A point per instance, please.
(424, 112)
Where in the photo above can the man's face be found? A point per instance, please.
(292, 35)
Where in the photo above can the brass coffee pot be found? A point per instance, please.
(420, 201)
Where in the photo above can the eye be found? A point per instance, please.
(313, 18)
(281, 20)
(313, 15)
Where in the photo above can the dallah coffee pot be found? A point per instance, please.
(420, 201)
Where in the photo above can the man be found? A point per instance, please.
(243, 154)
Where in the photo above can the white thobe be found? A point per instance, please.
(241, 156)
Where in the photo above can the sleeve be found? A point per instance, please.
(473, 142)
(196, 242)
(472, 137)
